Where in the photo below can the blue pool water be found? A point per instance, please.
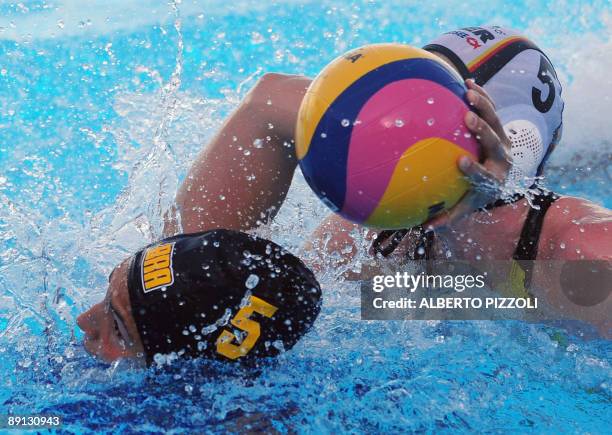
(102, 109)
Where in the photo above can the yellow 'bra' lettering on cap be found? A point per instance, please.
(157, 278)
(156, 263)
(157, 269)
(158, 251)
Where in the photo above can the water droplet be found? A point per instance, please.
(430, 100)
(251, 281)
(421, 250)
(345, 122)
(216, 244)
(430, 121)
(399, 123)
(269, 102)
(192, 328)
(467, 135)
(257, 38)
(60, 24)
(562, 245)
(247, 153)
(258, 143)
(185, 332)
(188, 389)
(323, 135)
(222, 197)
(425, 178)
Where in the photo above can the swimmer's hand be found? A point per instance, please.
(488, 176)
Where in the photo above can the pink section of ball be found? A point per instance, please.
(400, 114)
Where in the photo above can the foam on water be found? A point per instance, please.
(76, 113)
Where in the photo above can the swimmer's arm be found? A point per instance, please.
(582, 227)
(335, 246)
(242, 176)
(577, 239)
(343, 249)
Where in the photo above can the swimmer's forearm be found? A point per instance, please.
(242, 176)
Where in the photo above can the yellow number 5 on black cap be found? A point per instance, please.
(242, 321)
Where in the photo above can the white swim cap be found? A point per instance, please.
(521, 81)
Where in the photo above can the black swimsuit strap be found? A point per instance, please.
(422, 250)
(424, 247)
(504, 201)
(396, 237)
(527, 247)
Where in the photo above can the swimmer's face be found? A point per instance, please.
(110, 330)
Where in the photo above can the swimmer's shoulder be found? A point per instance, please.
(332, 243)
(279, 90)
(342, 248)
(575, 228)
(279, 95)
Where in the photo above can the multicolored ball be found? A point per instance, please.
(379, 133)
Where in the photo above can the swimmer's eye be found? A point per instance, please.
(116, 327)
(120, 328)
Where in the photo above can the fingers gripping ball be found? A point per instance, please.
(379, 133)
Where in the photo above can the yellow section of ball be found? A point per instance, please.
(402, 207)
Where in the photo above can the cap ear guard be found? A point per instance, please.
(527, 150)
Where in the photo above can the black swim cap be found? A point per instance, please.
(221, 294)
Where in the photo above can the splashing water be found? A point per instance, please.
(100, 119)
